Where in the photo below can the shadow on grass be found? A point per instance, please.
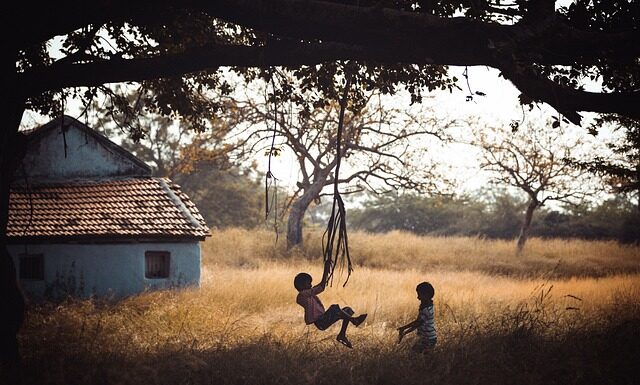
(609, 355)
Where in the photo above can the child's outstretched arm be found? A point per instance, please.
(408, 328)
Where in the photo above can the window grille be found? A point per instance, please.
(156, 264)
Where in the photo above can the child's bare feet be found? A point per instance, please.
(359, 319)
(343, 340)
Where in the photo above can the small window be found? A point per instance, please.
(32, 266)
(156, 264)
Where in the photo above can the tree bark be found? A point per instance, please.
(526, 223)
(12, 147)
(351, 24)
(297, 211)
(638, 190)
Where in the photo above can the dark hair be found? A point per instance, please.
(300, 280)
(426, 289)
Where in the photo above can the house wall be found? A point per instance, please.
(85, 157)
(106, 269)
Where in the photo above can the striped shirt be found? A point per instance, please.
(427, 328)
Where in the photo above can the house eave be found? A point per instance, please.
(105, 239)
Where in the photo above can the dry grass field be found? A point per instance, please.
(566, 311)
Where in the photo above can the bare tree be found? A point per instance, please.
(532, 160)
(378, 147)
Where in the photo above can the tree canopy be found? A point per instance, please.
(546, 51)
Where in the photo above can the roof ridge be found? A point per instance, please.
(179, 203)
(82, 181)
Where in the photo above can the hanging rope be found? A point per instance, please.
(273, 204)
(64, 131)
(332, 249)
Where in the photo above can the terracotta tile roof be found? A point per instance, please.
(132, 207)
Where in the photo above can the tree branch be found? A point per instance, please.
(568, 101)
(349, 32)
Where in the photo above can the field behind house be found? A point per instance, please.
(566, 311)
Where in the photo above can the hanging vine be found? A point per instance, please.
(335, 243)
(270, 180)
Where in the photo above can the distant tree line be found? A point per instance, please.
(498, 216)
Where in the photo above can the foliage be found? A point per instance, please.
(412, 213)
(495, 216)
(226, 198)
(226, 193)
(621, 171)
(177, 51)
(193, 97)
(168, 144)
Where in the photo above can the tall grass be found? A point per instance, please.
(401, 250)
(242, 325)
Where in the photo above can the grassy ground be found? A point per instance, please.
(401, 251)
(563, 312)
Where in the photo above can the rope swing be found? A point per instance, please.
(332, 249)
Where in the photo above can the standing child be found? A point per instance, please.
(425, 323)
(314, 312)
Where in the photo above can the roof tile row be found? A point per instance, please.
(141, 207)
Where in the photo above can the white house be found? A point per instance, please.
(87, 218)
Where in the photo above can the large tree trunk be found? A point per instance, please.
(294, 223)
(11, 151)
(296, 214)
(638, 190)
(526, 223)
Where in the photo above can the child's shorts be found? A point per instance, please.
(424, 345)
(331, 315)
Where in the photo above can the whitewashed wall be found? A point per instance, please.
(107, 269)
(86, 157)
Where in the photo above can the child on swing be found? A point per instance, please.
(425, 322)
(314, 312)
